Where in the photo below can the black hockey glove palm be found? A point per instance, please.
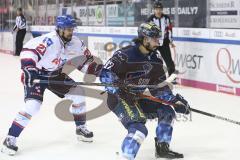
(182, 105)
(30, 74)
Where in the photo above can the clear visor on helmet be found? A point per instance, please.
(153, 39)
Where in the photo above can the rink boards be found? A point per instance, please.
(206, 58)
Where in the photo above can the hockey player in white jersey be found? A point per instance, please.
(43, 58)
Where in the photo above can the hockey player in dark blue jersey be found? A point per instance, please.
(139, 64)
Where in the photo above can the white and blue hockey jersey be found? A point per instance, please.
(48, 51)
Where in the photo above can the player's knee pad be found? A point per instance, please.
(31, 107)
(78, 105)
(78, 108)
(76, 99)
(138, 132)
(166, 114)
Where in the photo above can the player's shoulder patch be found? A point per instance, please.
(120, 56)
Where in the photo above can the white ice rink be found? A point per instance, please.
(47, 137)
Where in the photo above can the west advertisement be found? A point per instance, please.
(209, 62)
(215, 65)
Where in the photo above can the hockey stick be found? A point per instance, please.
(90, 84)
(192, 109)
(168, 80)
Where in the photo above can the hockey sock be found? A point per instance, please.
(164, 132)
(79, 119)
(20, 122)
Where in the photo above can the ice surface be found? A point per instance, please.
(47, 137)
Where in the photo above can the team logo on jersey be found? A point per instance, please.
(48, 41)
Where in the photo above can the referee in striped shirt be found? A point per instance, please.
(20, 28)
(164, 22)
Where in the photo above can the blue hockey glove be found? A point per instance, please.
(30, 74)
(108, 77)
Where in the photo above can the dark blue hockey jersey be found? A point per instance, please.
(130, 66)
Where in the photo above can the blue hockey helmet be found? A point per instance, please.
(65, 21)
(149, 29)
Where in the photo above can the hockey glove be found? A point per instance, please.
(182, 105)
(94, 69)
(108, 77)
(30, 74)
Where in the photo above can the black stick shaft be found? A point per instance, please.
(164, 83)
(215, 116)
(192, 109)
(92, 84)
